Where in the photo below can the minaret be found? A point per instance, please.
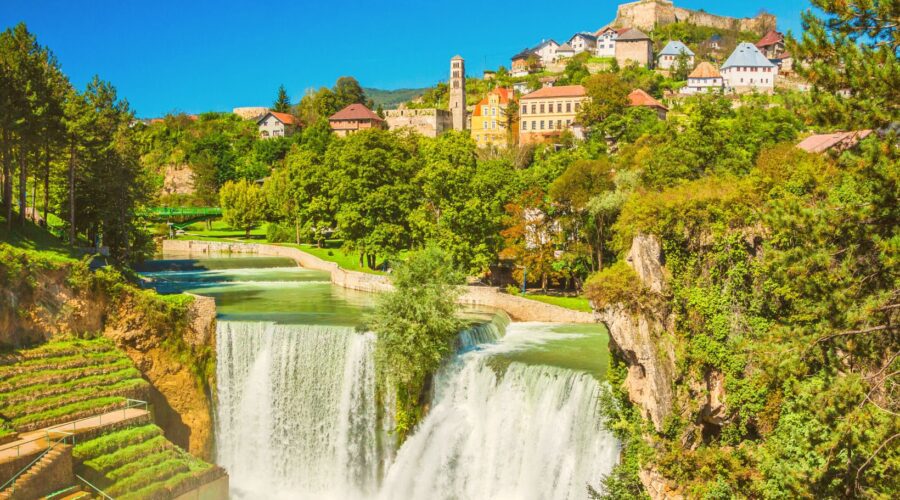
(458, 92)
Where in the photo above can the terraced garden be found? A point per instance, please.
(140, 463)
(62, 381)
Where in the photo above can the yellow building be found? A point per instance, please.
(548, 112)
(490, 119)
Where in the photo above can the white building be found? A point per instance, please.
(546, 51)
(583, 42)
(668, 56)
(606, 41)
(704, 78)
(274, 124)
(563, 51)
(747, 70)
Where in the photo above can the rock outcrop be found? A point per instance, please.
(641, 336)
(647, 14)
(178, 365)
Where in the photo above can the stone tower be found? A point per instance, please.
(458, 92)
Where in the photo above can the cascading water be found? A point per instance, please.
(519, 431)
(513, 416)
(296, 414)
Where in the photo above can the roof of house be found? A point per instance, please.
(770, 38)
(705, 70)
(565, 48)
(746, 54)
(456, 57)
(588, 36)
(355, 111)
(617, 31)
(544, 44)
(523, 55)
(632, 35)
(504, 94)
(819, 143)
(284, 118)
(674, 47)
(638, 97)
(561, 91)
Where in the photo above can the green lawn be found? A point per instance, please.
(221, 231)
(332, 252)
(32, 237)
(574, 303)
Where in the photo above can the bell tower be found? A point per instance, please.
(458, 92)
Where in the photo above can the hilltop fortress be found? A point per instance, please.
(646, 14)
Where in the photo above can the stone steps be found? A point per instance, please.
(32, 479)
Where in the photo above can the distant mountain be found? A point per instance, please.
(389, 99)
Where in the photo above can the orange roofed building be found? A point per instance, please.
(354, 118)
(490, 118)
(546, 113)
(638, 97)
(274, 124)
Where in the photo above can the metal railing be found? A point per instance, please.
(91, 486)
(129, 404)
(11, 483)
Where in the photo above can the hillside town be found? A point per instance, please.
(740, 56)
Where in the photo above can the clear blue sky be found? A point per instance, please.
(212, 55)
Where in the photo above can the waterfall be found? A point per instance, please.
(530, 432)
(297, 411)
(298, 418)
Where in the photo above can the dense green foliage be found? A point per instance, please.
(68, 147)
(416, 325)
(389, 99)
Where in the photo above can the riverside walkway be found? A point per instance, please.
(39, 440)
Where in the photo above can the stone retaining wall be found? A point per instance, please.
(518, 308)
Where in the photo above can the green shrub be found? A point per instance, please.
(617, 285)
(281, 233)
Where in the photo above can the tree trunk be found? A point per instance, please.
(297, 229)
(72, 195)
(46, 184)
(7, 179)
(23, 185)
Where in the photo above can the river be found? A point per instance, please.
(514, 415)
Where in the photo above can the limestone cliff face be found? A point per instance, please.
(176, 365)
(642, 337)
(646, 14)
(47, 307)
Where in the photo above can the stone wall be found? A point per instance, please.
(215, 490)
(429, 122)
(638, 51)
(518, 308)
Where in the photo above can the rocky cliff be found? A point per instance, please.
(642, 336)
(647, 14)
(171, 340)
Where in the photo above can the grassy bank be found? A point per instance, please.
(574, 303)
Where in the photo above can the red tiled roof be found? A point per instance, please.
(355, 111)
(638, 97)
(705, 70)
(770, 38)
(561, 91)
(504, 95)
(820, 143)
(284, 118)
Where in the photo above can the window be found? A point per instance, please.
(533, 125)
(524, 109)
(542, 124)
(577, 106)
(568, 123)
(559, 107)
(484, 110)
(550, 124)
(558, 123)
(484, 124)
(524, 125)
(533, 108)
(568, 107)
(493, 123)
(542, 107)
